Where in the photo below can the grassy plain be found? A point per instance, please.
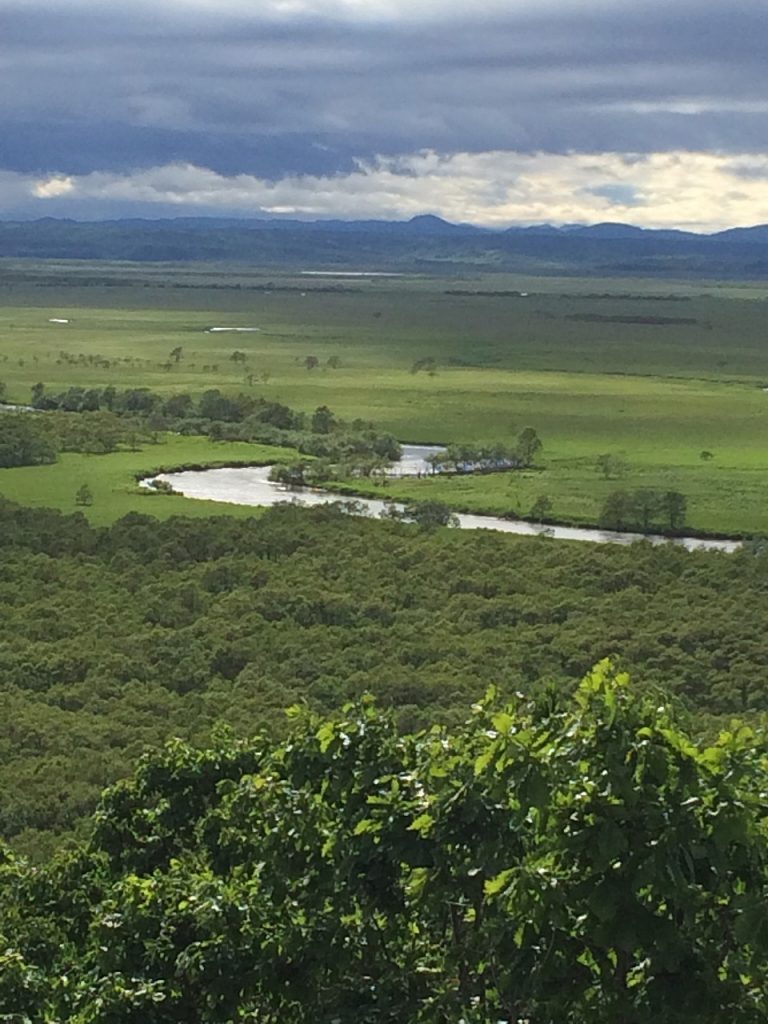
(112, 479)
(656, 371)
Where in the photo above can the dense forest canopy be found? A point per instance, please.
(571, 862)
(22, 443)
(113, 639)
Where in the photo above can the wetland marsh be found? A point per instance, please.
(666, 376)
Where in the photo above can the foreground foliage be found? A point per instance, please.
(572, 864)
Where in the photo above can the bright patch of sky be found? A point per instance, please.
(697, 191)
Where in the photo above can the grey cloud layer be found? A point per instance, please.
(85, 88)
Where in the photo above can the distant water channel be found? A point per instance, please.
(252, 486)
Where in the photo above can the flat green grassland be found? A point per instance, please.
(112, 479)
(657, 393)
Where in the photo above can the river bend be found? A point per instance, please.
(251, 486)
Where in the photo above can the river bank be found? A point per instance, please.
(251, 486)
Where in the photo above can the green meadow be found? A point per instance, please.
(654, 371)
(112, 479)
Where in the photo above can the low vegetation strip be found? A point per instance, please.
(653, 321)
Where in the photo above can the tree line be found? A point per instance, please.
(106, 411)
(643, 509)
(474, 458)
(30, 440)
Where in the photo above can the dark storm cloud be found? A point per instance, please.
(77, 148)
(87, 87)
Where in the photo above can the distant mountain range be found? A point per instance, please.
(425, 243)
(609, 229)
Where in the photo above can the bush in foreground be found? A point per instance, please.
(570, 865)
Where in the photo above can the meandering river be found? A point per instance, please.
(252, 486)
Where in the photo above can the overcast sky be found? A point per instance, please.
(485, 111)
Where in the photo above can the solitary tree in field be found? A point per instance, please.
(311, 362)
(84, 495)
(238, 356)
(529, 446)
(541, 507)
(176, 353)
(611, 466)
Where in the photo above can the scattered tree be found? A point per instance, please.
(616, 513)
(675, 507)
(529, 446)
(429, 515)
(541, 508)
(645, 503)
(323, 421)
(642, 508)
(161, 486)
(472, 458)
(84, 495)
(290, 474)
(611, 466)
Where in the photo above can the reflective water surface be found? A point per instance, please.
(252, 486)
